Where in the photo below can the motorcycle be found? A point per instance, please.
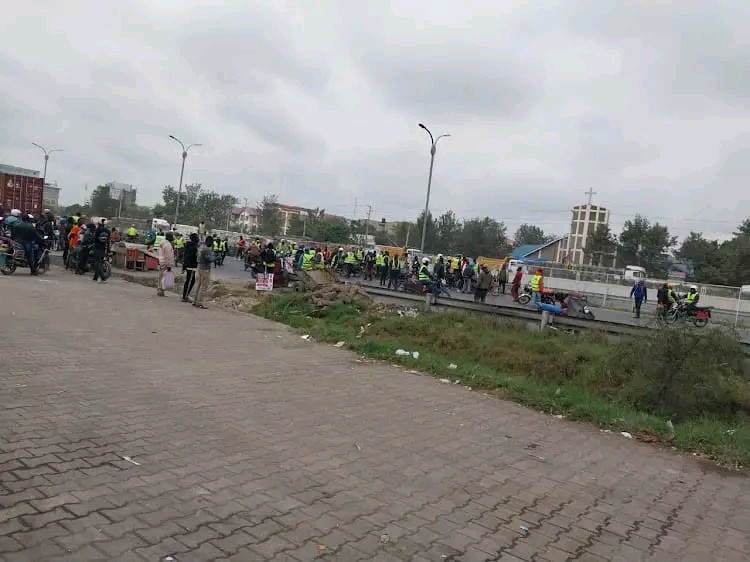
(72, 263)
(548, 296)
(12, 256)
(414, 286)
(699, 315)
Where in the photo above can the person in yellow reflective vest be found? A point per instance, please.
(358, 255)
(216, 248)
(424, 276)
(318, 260)
(537, 287)
(350, 261)
(395, 272)
(307, 263)
(159, 239)
(379, 263)
(691, 299)
(132, 233)
(179, 246)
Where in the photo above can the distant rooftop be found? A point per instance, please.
(15, 170)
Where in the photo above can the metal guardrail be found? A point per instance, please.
(609, 327)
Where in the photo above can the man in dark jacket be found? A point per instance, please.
(85, 247)
(189, 265)
(28, 237)
(639, 295)
(100, 248)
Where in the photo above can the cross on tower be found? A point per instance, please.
(590, 193)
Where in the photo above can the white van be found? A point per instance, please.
(635, 273)
(159, 224)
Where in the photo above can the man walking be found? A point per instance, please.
(205, 259)
(638, 293)
(190, 265)
(166, 260)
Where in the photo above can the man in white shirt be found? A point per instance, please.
(166, 261)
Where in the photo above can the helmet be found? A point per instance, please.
(425, 261)
(15, 213)
(693, 288)
(440, 256)
(341, 249)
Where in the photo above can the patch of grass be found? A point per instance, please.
(699, 383)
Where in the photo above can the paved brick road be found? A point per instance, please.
(255, 445)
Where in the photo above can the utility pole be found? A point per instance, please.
(244, 219)
(433, 149)
(367, 224)
(182, 173)
(47, 152)
(304, 227)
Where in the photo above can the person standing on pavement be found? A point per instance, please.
(503, 277)
(205, 257)
(484, 280)
(639, 295)
(190, 265)
(101, 245)
(395, 272)
(166, 260)
(515, 285)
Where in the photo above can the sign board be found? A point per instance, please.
(264, 282)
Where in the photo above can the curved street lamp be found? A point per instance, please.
(47, 152)
(433, 149)
(182, 172)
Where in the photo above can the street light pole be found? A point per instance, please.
(182, 173)
(47, 152)
(433, 149)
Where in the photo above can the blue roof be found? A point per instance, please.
(523, 251)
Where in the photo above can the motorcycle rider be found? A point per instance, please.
(101, 246)
(27, 236)
(425, 277)
(85, 247)
(439, 269)
(13, 221)
(691, 300)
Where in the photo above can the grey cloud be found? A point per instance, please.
(450, 80)
(604, 148)
(116, 73)
(699, 51)
(271, 126)
(247, 51)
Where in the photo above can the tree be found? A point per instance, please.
(704, 257)
(430, 241)
(530, 234)
(102, 204)
(483, 237)
(447, 232)
(270, 215)
(646, 244)
(601, 242)
(196, 204)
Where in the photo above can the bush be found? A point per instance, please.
(682, 374)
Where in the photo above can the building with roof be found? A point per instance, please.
(123, 192)
(246, 218)
(585, 219)
(51, 196)
(539, 252)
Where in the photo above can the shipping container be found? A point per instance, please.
(21, 192)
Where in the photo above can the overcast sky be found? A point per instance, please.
(646, 101)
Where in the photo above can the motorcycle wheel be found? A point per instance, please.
(10, 266)
(524, 299)
(671, 317)
(700, 322)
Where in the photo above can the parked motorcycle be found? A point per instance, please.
(12, 256)
(699, 315)
(414, 286)
(89, 267)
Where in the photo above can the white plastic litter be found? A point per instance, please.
(626, 434)
(415, 355)
(402, 352)
(453, 366)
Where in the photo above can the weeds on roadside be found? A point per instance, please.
(699, 382)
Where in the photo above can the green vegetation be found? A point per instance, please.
(699, 383)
